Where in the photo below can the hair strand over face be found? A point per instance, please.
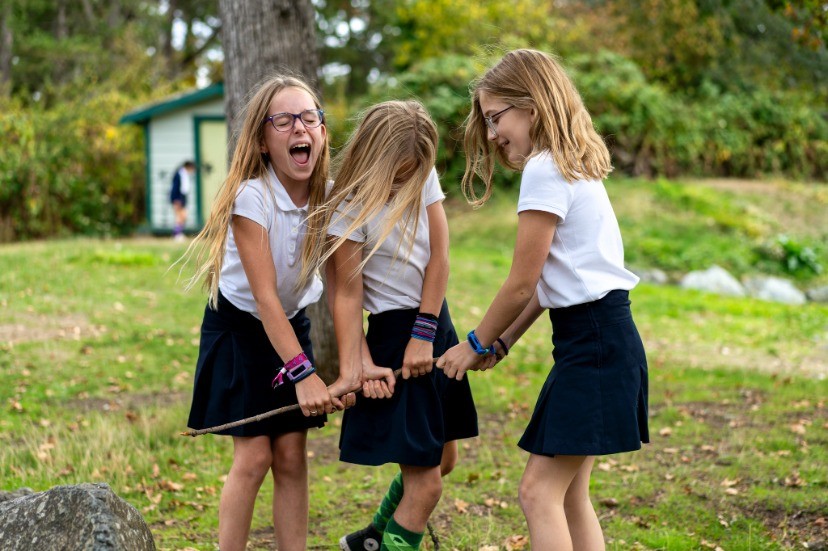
(386, 161)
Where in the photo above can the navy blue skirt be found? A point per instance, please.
(425, 412)
(594, 401)
(236, 364)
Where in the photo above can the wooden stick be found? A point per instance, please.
(261, 416)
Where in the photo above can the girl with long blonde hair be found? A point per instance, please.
(387, 253)
(255, 353)
(568, 258)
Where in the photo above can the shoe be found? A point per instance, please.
(179, 237)
(367, 539)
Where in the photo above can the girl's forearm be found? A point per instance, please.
(511, 300)
(523, 322)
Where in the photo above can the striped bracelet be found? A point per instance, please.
(425, 327)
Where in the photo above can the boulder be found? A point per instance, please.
(654, 276)
(818, 294)
(6, 496)
(774, 289)
(713, 280)
(88, 517)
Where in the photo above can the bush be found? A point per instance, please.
(70, 170)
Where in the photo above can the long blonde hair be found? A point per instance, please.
(248, 163)
(529, 79)
(386, 161)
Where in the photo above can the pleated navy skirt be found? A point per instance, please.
(236, 364)
(425, 412)
(594, 401)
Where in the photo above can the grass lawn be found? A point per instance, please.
(98, 344)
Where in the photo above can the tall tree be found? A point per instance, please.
(259, 37)
(6, 39)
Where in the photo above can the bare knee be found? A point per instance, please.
(449, 459)
(426, 490)
(575, 503)
(290, 458)
(252, 463)
(527, 494)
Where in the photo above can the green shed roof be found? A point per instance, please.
(187, 99)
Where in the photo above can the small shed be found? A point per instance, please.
(188, 126)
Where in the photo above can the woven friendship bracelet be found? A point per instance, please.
(295, 370)
(425, 327)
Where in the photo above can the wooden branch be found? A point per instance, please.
(255, 418)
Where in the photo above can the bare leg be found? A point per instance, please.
(449, 459)
(580, 514)
(423, 488)
(252, 458)
(290, 490)
(542, 490)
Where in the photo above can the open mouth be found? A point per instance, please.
(300, 153)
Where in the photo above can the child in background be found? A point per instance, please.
(179, 191)
(255, 352)
(388, 253)
(568, 258)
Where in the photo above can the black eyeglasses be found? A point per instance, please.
(284, 122)
(490, 121)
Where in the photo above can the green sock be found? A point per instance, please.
(389, 503)
(397, 538)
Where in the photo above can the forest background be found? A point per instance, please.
(733, 88)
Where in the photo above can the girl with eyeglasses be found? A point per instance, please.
(255, 353)
(387, 253)
(568, 258)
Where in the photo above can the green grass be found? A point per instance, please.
(98, 344)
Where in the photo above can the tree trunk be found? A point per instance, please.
(6, 42)
(260, 38)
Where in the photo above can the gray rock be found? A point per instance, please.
(818, 294)
(655, 276)
(774, 289)
(88, 517)
(713, 280)
(6, 496)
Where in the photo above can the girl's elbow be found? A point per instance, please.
(522, 290)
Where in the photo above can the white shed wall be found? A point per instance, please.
(172, 141)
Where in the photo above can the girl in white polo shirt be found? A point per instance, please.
(388, 254)
(568, 258)
(255, 353)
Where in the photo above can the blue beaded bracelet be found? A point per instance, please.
(477, 347)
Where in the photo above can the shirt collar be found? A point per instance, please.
(283, 200)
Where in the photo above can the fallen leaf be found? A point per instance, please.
(666, 431)
(609, 502)
(461, 506)
(171, 486)
(516, 542)
(797, 428)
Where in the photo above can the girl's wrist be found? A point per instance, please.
(477, 347)
(294, 370)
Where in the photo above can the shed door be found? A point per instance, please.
(212, 163)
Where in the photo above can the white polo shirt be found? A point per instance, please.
(586, 259)
(269, 205)
(391, 283)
